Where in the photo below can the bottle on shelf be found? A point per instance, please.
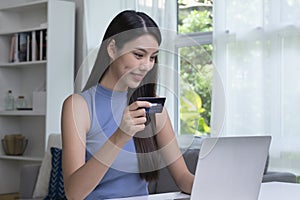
(21, 103)
(9, 101)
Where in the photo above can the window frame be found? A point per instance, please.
(199, 38)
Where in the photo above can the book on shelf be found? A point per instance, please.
(33, 46)
(12, 48)
(41, 37)
(28, 46)
(16, 48)
(23, 47)
(44, 45)
(41, 45)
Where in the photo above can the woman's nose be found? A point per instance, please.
(146, 65)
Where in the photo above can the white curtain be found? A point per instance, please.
(256, 88)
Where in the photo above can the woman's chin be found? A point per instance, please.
(134, 84)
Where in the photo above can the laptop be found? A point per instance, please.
(230, 168)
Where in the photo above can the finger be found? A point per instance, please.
(139, 104)
(141, 112)
(140, 120)
(140, 127)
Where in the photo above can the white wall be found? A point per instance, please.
(87, 35)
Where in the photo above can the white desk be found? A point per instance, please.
(279, 191)
(161, 196)
(268, 191)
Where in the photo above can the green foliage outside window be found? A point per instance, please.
(196, 73)
(196, 21)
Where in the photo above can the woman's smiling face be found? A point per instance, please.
(133, 61)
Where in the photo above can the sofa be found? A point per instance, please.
(165, 183)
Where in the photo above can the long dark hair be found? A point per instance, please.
(126, 26)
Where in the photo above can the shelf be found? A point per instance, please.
(24, 30)
(21, 113)
(24, 17)
(29, 5)
(55, 19)
(23, 64)
(23, 158)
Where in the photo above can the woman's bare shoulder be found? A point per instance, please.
(75, 103)
(75, 107)
(74, 99)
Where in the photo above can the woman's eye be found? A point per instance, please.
(152, 58)
(138, 55)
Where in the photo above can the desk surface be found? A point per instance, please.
(268, 191)
(161, 196)
(279, 191)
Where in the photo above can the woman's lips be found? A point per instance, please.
(137, 76)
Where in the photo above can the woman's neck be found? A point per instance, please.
(108, 81)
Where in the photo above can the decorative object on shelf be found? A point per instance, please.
(9, 101)
(39, 101)
(21, 103)
(14, 144)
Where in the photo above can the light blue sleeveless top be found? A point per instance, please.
(122, 179)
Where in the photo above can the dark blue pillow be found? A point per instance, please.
(56, 184)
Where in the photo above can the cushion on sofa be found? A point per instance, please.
(56, 183)
(280, 177)
(42, 183)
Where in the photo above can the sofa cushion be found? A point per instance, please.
(56, 183)
(42, 183)
(41, 186)
(165, 182)
(279, 177)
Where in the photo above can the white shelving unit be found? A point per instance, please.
(55, 73)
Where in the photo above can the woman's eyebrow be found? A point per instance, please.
(145, 51)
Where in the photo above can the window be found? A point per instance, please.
(195, 66)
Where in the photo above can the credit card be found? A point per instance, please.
(157, 104)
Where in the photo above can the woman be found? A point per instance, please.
(111, 147)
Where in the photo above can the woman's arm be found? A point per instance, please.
(171, 153)
(80, 177)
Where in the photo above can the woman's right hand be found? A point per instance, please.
(134, 118)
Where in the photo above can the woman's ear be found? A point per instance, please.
(111, 49)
